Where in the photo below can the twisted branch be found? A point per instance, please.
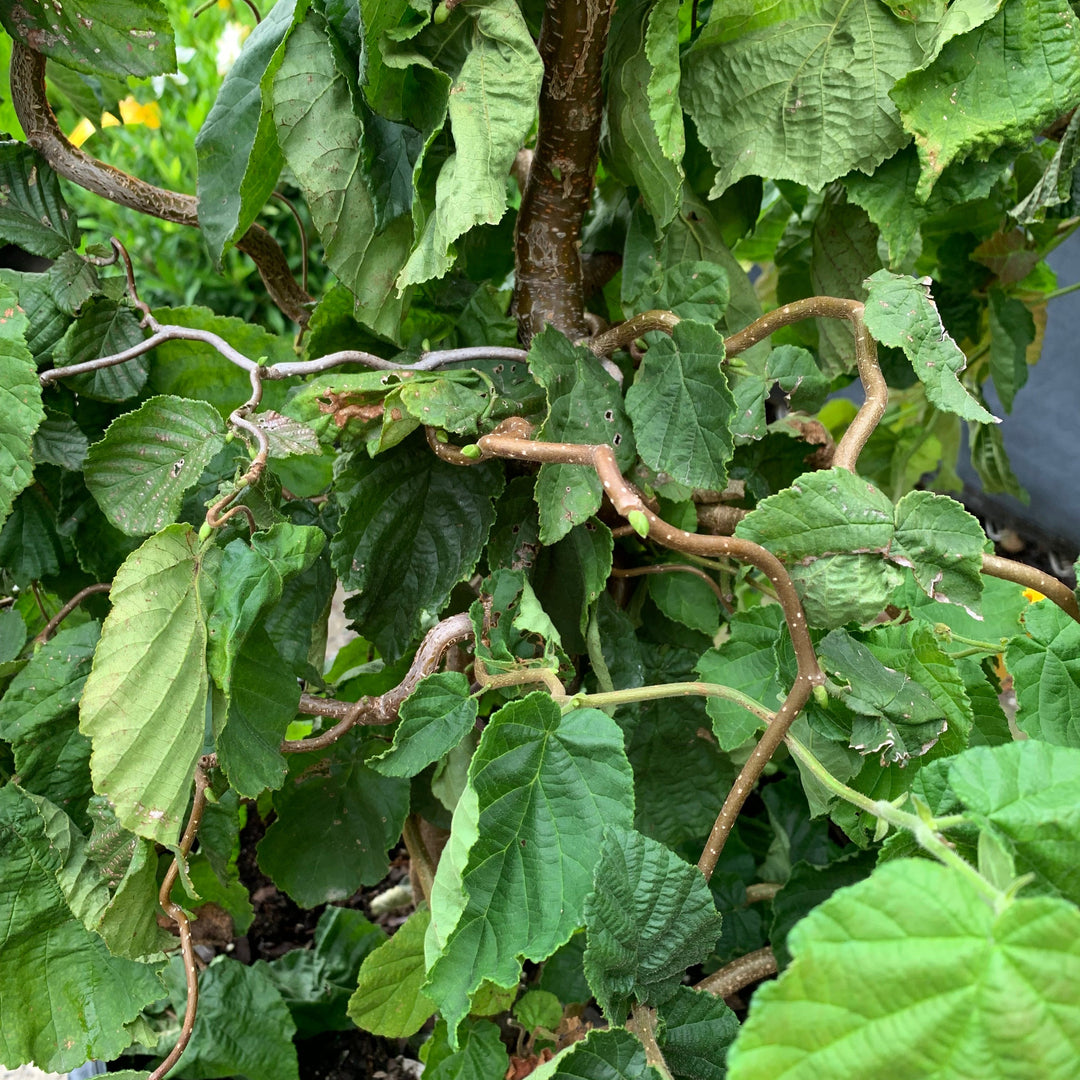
(44, 135)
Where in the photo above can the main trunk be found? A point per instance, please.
(549, 286)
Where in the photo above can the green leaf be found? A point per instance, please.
(608, 1054)
(413, 527)
(991, 462)
(316, 983)
(72, 281)
(60, 441)
(76, 1005)
(686, 599)
(585, 406)
(943, 545)
(322, 137)
(39, 718)
(239, 159)
(1055, 185)
(544, 786)
(694, 1033)
(1012, 330)
(792, 368)
(433, 720)
(389, 999)
(697, 290)
(649, 917)
(33, 213)
(101, 37)
(824, 108)
(479, 1055)
(139, 471)
(808, 886)
(1027, 791)
(261, 1046)
(900, 312)
(896, 716)
(682, 408)
(662, 50)
(47, 321)
(746, 662)
(1001, 83)
(336, 819)
(538, 1009)
(951, 964)
(30, 547)
(21, 411)
(488, 53)
(102, 329)
(144, 702)
(634, 149)
(1045, 665)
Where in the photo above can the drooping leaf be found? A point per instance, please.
(21, 410)
(943, 545)
(1000, 83)
(144, 702)
(695, 1031)
(649, 917)
(321, 137)
(1045, 664)
(951, 963)
(585, 406)
(389, 999)
(39, 718)
(72, 281)
(1055, 185)
(1027, 790)
(682, 408)
(487, 52)
(792, 368)
(79, 997)
(261, 1047)
(433, 721)
(1012, 330)
(478, 1053)
(604, 1054)
(102, 329)
(30, 546)
(103, 37)
(634, 145)
(825, 107)
(990, 461)
(404, 553)
(239, 159)
(33, 213)
(138, 473)
(336, 819)
(900, 312)
(60, 441)
(543, 786)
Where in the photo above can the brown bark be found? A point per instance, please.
(549, 286)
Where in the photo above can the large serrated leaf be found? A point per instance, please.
(487, 52)
(610, 1054)
(543, 786)
(336, 819)
(950, 963)
(102, 329)
(237, 146)
(433, 721)
(694, 1033)
(80, 997)
(139, 471)
(682, 408)
(413, 527)
(824, 108)
(39, 718)
(1045, 664)
(21, 410)
(144, 702)
(1001, 83)
(33, 214)
(900, 312)
(649, 917)
(389, 999)
(585, 406)
(101, 37)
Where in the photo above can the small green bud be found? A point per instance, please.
(441, 14)
(638, 522)
(821, 696)
(472, 452)
(205, 532)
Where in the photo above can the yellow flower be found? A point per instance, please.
(1033, 595)
(81, 132)
(134, 113)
